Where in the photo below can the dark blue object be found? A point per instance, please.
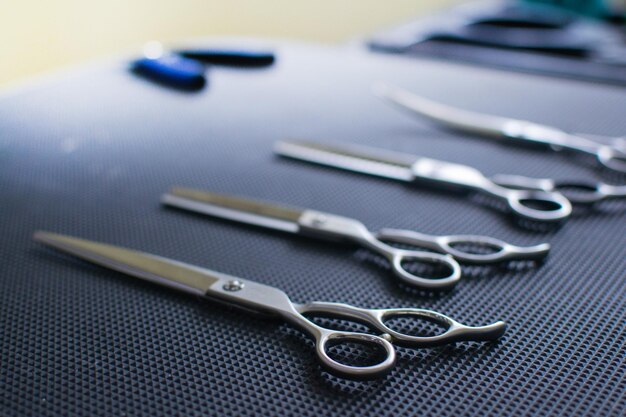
(173, 71)
(231, 57)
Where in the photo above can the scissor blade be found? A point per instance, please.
(151, 268)
(464, 120)
(235, 208)
(370, 161)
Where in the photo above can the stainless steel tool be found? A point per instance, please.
(317, 224)
(267, 300)
(267, 214)
(612, 156)
(539, 205)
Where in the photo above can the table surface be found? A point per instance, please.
(89, 152)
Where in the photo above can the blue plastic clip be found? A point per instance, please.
(172, 70)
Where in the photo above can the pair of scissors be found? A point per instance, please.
(611, 156)
(533, 204)
(264, 299)
(330, 226)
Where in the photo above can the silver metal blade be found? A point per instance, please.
(235, 208)
(370, 161)
(464, 120)
(151, 268)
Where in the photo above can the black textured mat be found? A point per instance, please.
(89, 154)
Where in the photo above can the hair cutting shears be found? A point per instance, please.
(264, 299)
(318, 224)
(330, 226)
(612, 156)
(538, 205)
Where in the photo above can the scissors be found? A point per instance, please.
(326, 225)
(264, 299)
(611, 156)
(538, 205)
(316, 224)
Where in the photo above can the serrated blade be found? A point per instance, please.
(365, 160)
(463, 120)
(238, 209)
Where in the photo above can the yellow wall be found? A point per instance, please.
(38, 35)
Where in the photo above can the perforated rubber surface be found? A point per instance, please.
(90, 152)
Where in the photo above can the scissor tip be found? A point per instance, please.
(175, 193)
(46, 237)
(40, 235)
(167, 197)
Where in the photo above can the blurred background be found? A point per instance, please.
(40, 36)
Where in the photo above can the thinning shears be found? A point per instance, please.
(330, 226)
(612, 156)
(534, 204)
(267, 300)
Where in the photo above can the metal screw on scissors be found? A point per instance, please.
(325, 225)
(256, 297)
(612, 156)
(531, 204)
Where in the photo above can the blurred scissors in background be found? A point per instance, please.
(612, 156)
(533, 204)
(264, 299)
(325, 225)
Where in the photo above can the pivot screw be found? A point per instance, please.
(233, 285)
(319, 221)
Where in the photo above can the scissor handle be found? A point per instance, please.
(500, 250)
(399, 258)
(344, 228)
(377, 318)
(454, 331)
(538, 205)
(576, 191)
(327, 338)
(612, 158)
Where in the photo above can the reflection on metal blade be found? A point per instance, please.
(453, 117)
(235, 208)
(152, 268)
(381, 163)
